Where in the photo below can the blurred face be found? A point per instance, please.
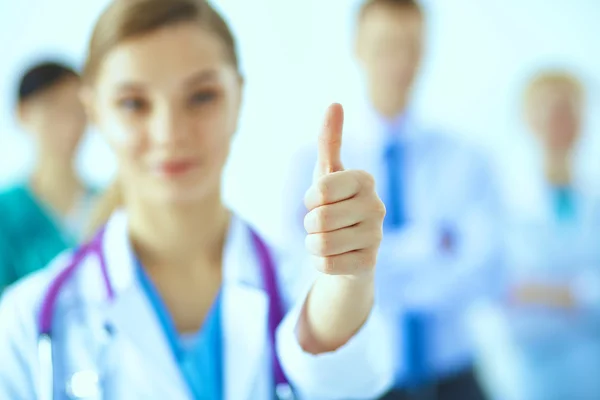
(389, 48)
(56, 118)
(168, 105)
(554, 114)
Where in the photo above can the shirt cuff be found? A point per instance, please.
(363, 368)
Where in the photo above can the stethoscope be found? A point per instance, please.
(81, 381)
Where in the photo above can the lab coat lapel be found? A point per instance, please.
(244, 316)
(144, 348)
(244, 331)
(147, 357)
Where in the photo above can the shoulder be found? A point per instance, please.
(15, 204)
(448, 141)
(21, 302)
(12, 194)
(450, 148)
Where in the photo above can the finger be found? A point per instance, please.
(358, 237)
(352, 263)
(330, 141)
(331, 217)
(335, 187)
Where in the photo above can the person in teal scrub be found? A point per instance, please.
(45, 214)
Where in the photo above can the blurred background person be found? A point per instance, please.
(46, 213)
(561, 216)
(545, 343)
(441, 242)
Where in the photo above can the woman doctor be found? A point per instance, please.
(176, 298)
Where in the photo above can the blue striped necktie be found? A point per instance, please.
(395, 213)
(412, 323)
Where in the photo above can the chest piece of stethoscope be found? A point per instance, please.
(87, 383)
(84, 385)
(283, 391)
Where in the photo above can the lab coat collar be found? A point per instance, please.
(244, 309)
(535, 200)
(121, 259)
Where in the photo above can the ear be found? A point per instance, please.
(239, 101)
(242, 83)
(87, 97)
(21, 113)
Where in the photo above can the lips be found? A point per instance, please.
(176, 168)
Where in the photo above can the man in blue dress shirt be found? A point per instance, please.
(441, 242)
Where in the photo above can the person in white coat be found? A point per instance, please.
(441, 242)
(175, 298)
(543, 342)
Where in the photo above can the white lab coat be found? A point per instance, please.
(446, 183)
(536, 353)
(137, 358)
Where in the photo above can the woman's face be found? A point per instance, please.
(168, 104)
(55, 118)
(555, 117)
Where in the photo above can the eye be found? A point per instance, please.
(202, 97)
(132, 104)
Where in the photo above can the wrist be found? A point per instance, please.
(361, 280)
(348, 286)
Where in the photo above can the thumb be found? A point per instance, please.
(330, 142)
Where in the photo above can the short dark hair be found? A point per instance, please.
(41, 77)
(369, 4)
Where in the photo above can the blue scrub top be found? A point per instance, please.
(198, 355)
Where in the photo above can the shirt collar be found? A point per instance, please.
(402, 127)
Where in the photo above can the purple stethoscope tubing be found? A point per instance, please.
(95, 247)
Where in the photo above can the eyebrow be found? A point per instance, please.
(202, 76)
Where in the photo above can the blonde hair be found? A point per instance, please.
(366, 6)
(552, 77)
(126, 19)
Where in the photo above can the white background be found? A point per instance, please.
(297, 58)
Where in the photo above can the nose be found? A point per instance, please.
(169, 126)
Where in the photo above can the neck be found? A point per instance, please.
(55, 182)
(558, 168)
(388, 106)
(179, 236)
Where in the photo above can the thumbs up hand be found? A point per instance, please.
(345, 218)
